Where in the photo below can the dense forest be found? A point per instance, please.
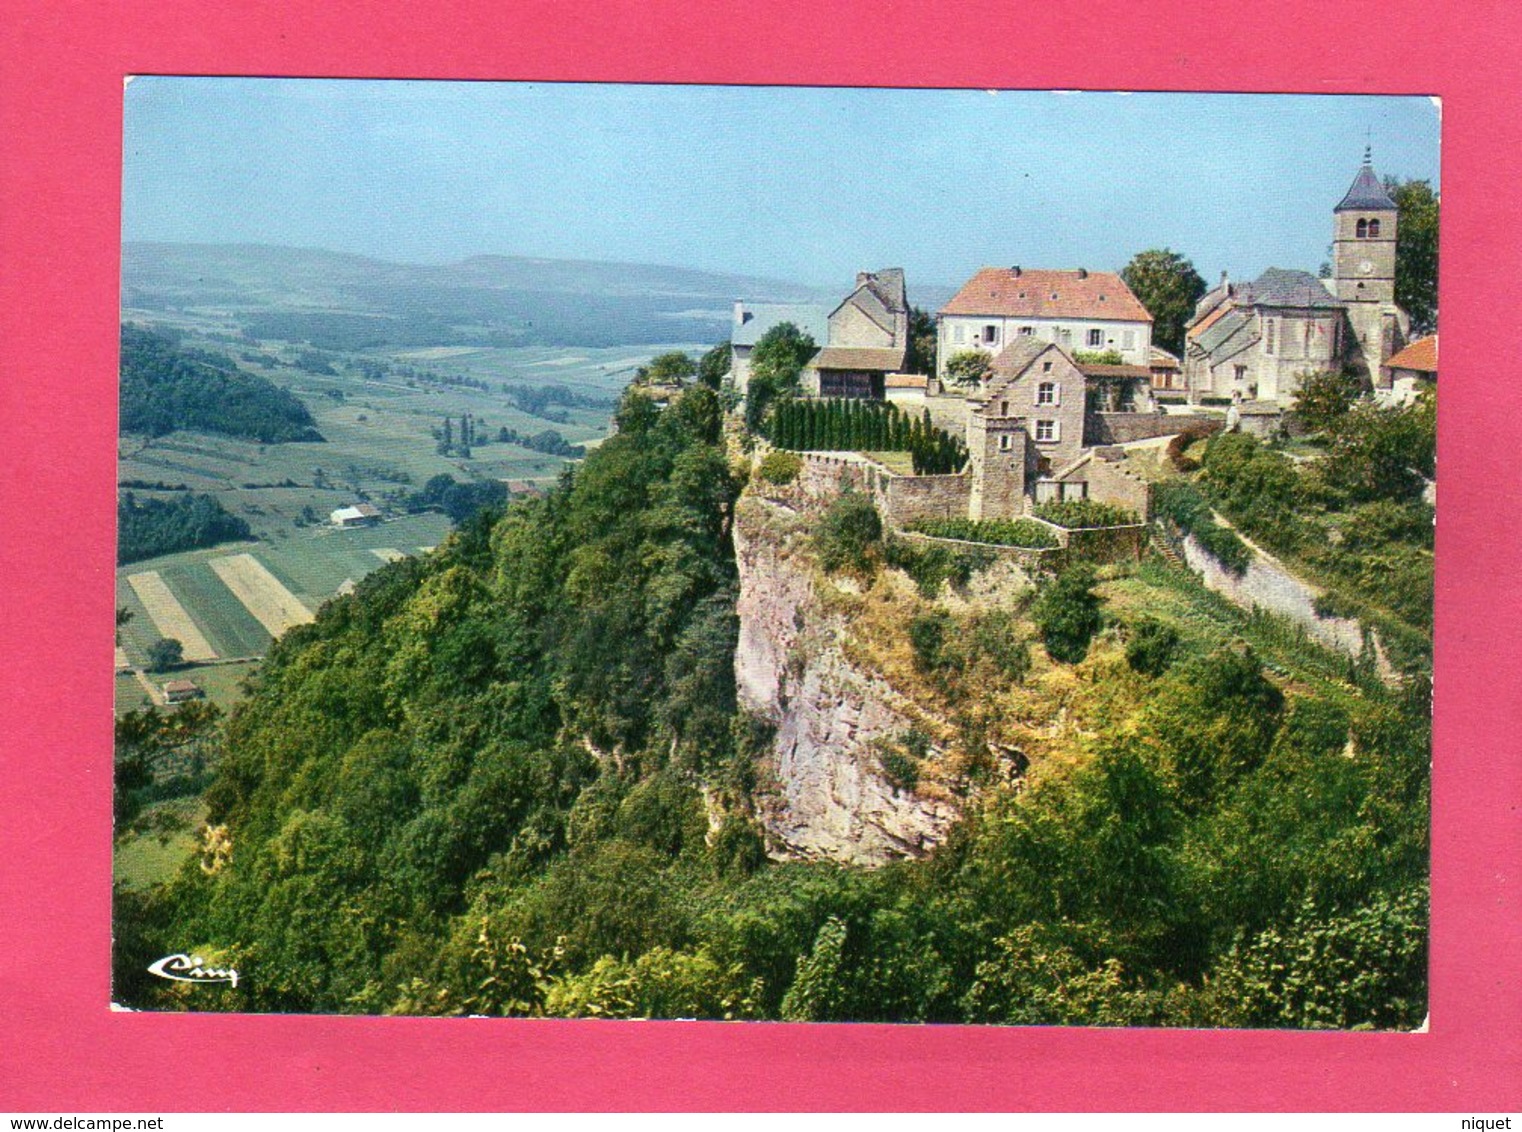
(512, 778)
(165, 387)
(150, 527)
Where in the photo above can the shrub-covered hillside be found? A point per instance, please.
(511, 778)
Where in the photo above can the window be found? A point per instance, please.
(991, 334)
(1241, 373)
(1027, 330)
(1373, 229)
(1128, 339)
(1096, 338)
(1046, 367)
(1046, 431)
(1362, 230)
(1046, 393)
(958, 333)
(1004, 443)
(1065, 335)
(1269, 327)
(1004, 408)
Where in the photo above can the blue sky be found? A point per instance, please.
(803, 184)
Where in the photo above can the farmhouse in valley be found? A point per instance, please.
(1250, 343)
(359, 515)
(1078, 310)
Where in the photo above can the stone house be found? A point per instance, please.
(750, 323)
(1025, 420)
(1077, 310)
(867, 338)
(1250, 343)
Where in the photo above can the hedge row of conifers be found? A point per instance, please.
(840, 425)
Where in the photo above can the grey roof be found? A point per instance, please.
(1366, 193)
(813, 319)
(1210, 300)
(1277, 287)
(888, 285)
(1217, 333)
(1025, 349)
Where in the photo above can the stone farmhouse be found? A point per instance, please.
(750, 323)
(1249, 344)
(866, 340)
(1077, 310)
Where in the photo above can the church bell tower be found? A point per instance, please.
(1363, 240)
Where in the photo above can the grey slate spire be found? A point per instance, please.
(1366, 193)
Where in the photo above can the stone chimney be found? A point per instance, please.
(1015, 271)
(1083, 273)
(862, 277)
(740, 313)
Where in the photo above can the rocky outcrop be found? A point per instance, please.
(822, 795)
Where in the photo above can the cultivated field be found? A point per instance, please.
(231, 604)
(272, 605)
(169, 616)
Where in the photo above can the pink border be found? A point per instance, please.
(60, 119)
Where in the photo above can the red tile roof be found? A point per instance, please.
(1421, 355)
(906, 381)
(1000, 292)
(1204, 324)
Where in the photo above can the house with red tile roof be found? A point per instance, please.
(1078, 310)
(1413, 370)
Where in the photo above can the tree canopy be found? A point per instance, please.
(165, 387)
(1168, 286)
(1416, 251)
(967, 368)
(776, 362)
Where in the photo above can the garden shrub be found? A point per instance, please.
(847, 532)
(996, 532)
(1152, 646)
(1067, 614)
(780, 467)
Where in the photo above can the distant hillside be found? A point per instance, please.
(338, 301)
(165, 387)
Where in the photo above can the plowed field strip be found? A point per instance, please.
(169, 616)
(261, 593)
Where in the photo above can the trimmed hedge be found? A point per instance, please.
(996, 532)
(1077, 513)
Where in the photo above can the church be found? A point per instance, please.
(1250, 343)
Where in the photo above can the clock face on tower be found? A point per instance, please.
(1364, 267)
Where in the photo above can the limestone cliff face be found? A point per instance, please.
(822, 794)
